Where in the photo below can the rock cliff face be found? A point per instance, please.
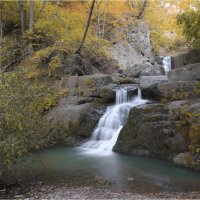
(135, 49)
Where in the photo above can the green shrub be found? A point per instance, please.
(23, 103)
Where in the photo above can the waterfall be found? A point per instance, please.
(110, 124)
(166, 63)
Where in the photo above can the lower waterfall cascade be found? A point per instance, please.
(110, 124)
(166, 63)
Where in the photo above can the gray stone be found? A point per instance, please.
(182, 59)
(173, 91)
(150, 81)
(182, 159)
(179, 143)
(138, 70)
(135, 48)
(151, 131)
(120, 78)
(97, 86)
(144, 133)
(194, 108)
(177, 90)
(190, 72)
(78, 115)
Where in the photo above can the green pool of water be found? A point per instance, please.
(75, 167)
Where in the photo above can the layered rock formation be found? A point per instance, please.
(170, 128)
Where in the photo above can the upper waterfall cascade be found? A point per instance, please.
(166, 63)
(110, 124)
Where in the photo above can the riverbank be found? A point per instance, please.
(42, 191)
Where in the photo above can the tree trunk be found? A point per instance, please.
(98, 23)
(86, 28)
(143, 8)
(1, 32)
(31, 22)
(21, 13)
(104, 19)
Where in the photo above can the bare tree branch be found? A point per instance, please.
(44, 3)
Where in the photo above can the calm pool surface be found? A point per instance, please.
(76, 167)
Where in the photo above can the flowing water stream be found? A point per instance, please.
(166, 63)
(105, 135)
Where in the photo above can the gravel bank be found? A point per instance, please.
(65, 192)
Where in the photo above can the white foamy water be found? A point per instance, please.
(166, 63)
(110, 124)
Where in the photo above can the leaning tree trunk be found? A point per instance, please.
(143, 9)
(31, 22)
(22, 16)
(86, 28)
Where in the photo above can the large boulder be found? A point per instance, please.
(190, 57)
(148, 85)
(172, 91)
(182, 159)
(182, 83)
(147, 69)
(164, 131)
(148, 81)
(78, 115)
(146, 132)
(97, 86)
(190, 72)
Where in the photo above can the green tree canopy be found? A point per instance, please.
(190, 20)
